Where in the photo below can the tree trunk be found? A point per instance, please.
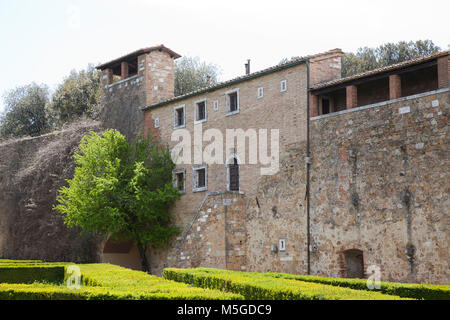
(142, 253)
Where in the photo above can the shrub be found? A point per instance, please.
(99, 282)
(23, 273)
(259, 287)
(409, 290)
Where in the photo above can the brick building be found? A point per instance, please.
(372, 152)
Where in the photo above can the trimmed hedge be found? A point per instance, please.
(22, 273)
(109, 282)
(4, 261)
(408, 290)
(259, 287)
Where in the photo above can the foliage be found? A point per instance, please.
(366, 59)
(408, 290)
(109, 282)
(24, 113)
(191, 74)
(256, 286)
(121, 189)
(23, 273)
(78, 95)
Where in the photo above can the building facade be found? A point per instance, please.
(375, 161)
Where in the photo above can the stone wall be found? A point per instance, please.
(31, 172)
(380, 184)
(379, 191)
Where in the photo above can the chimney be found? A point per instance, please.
(247, 67)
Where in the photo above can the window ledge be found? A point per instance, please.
(200, 189)
(199, 121)
(232, 113)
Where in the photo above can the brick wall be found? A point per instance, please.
(124, 99)
(285, 111)
(325, 67)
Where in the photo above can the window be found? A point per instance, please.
(216, 105)
(283, 85)
(200, 179)
(156, 122)
(260, 92)
(233, 175)
(200, 111)
(282, 244)
(179, 120)
(179, 180)
(232, 99)
(325, 106)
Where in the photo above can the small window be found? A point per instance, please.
(179, 117)
(233, 175)
(325, 106)
(282, 245)
(283, 85)
(260, 92)
(232, 98)
(179, 180)
(216, 105)
(200, 179)
(156, 122)
(200, 111)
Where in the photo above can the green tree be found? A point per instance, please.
(78, 95)
(366, 59)
(24, 113)
(191, 74)
(121, 190)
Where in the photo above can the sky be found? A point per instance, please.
(43, 40)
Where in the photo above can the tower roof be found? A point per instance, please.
(136, 53)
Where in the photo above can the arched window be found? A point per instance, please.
(354, 263)
(233, 175)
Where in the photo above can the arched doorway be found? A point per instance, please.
(122, 253)
(354, 263)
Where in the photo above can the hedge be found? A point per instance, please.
(259, 287)
(105, 281)
(22, 273)
(408, 290)
(4, 261)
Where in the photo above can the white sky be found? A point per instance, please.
(42, 41)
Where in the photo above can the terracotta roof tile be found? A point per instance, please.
(137, 53)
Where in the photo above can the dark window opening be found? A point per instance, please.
(179, 117)
(201, 178)
(325, 106)
(354, 264)
(234, 175)
(180, 181)
(201, 111)
(233, 101)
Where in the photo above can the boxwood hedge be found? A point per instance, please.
(259, 287)
(409, 290)
(99, 282)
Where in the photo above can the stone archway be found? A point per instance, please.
(122, 253)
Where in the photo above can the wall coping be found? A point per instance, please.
(121, 81)
(380, 104)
